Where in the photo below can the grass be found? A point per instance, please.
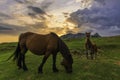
(105, 67)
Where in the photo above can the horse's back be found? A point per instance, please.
(38, 43)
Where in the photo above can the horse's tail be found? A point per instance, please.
(16, 54)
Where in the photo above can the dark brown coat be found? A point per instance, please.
(42, 45)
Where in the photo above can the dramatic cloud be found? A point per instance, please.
(37, 10)
(45, 4)
(34, 11)
(18, 16)
(3, 28)
(12, 29)
(101, 16)
(4, 16)
(41, 16)
(26, 1)
(21, 1)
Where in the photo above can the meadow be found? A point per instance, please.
(105, 67)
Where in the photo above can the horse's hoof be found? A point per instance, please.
(40, 72)
(19, 68)
(25, 69)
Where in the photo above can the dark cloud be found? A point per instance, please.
(4, 28)
(72, 20)
(100, 17)
(12, 29)
(39, 17)
(20, 1)
(33, 15)
(100, 1)
(23, 1)
(4, 16)
(116, 31)
(37, 10)
(66, 14)
(43, 4)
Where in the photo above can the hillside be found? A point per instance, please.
(105, 67)
(77, 35)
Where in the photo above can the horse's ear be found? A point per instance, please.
(86, 32)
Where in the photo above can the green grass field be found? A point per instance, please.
(105, 67)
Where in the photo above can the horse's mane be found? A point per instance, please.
(54, 34)
(65, 51)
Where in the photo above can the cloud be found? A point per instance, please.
(38, 25)
(66, 14)
(12, 29)
(100, 1)
(37, 10)
(45, 4)
(33, 15)
(4, 16)
(25, 1)
(100, 16)
(4, 28)
(20, 1)
(42, 4)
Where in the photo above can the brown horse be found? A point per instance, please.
(42, 45)
(90, 47)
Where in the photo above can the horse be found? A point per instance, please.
(39, 44)
(90, 47)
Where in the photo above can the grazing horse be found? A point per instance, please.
(42, 45)
(90, 47)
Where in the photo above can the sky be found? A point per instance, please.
(59, 16)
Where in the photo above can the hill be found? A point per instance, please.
(105, 67)
(77, 35)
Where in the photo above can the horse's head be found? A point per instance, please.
(88, 34)
(67, 63)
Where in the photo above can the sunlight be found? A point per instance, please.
(7, 38)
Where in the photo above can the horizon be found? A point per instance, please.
(16, 38)
(61, 17)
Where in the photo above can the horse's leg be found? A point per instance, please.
(92, 54)
(87, 51)
(24, 65)
(95, 54)
(19, 61)
(23, 51)
(96, 50)
(54, 63)
(47, 54)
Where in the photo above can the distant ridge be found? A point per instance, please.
(78, 35)
(96, 35)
